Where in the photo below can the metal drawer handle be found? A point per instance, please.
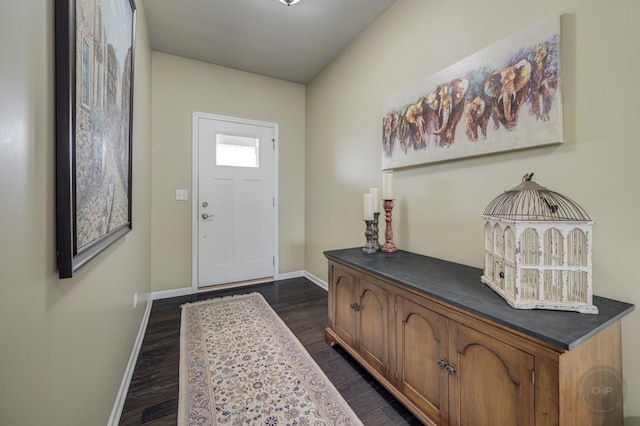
(451, 369)
(443, 364)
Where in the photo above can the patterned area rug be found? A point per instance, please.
(241, 365)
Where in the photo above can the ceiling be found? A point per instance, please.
(292, 43)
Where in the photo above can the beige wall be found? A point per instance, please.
(180, 87)
(64, 343)
(438, 206)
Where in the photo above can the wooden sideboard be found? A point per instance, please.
(454, 353)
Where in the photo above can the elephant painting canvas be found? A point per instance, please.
(504, 97)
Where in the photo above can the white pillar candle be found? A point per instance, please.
(375, 194)
(368, 207)
(387, 186)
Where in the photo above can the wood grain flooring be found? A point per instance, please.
(152, 398)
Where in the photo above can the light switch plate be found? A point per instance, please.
(182, 194)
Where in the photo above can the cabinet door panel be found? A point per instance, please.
(422, 341)
(373, 341)
(344, 296)
(493, 382)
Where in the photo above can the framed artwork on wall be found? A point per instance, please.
(506, 96)
(94, 43)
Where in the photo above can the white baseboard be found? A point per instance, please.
(317, 281)
(185, 291)
(165, 294)
(116, 412)
(289, 275)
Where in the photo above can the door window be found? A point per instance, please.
(237, 151)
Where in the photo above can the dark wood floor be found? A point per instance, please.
(153, 394)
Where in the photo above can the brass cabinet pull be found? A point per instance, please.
(442, 364)
(355, 307)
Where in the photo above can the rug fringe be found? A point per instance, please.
(215, 299)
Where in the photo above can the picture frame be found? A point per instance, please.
(505, 97)
(94, 65)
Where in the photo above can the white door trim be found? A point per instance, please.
(195, 187)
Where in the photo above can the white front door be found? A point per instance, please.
(235, 201)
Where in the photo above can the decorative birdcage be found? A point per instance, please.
(538, 249)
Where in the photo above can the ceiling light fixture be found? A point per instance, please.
(289, 2)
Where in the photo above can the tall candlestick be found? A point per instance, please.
(375, 194)
(376, 229)
(369, 246)
(368, 207)
(387, 186)
(388, 246)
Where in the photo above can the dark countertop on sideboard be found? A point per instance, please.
(460, 286)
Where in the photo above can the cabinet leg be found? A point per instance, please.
(328, 338)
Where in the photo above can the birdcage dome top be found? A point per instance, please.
(530, 201)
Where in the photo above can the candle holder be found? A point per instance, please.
(376, 216)
(369, 247)
(388, 246)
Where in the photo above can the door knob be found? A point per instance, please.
(207, 216)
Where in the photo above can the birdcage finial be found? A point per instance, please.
(527, 177)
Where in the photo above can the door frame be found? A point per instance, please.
(195, 187)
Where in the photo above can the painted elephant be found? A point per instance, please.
(508, 90)
(418, 119)
(476, 114)
(544, 70)
(548, 89)
(477, 109)
(540, 53)
(415, 124)
(402, 132)
(389, 132)
(447, 102)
